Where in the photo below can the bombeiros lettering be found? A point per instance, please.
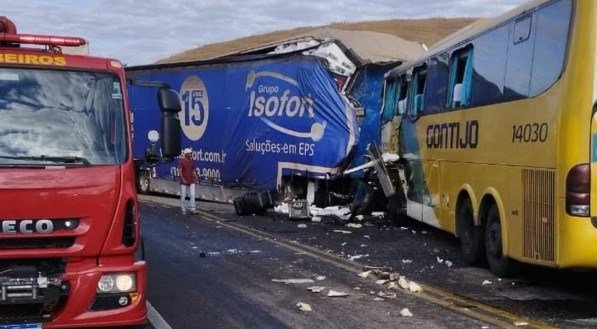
(453, 135)
(27, 226)
(31, 59)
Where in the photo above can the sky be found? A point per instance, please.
(139, 32)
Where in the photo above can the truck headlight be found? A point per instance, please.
(117, 283)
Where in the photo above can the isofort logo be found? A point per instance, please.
(270, 98)
(195, 108)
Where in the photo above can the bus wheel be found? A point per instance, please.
(471, 236)
(142, 183)
(498, 264)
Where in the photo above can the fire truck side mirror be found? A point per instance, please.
(170, 106)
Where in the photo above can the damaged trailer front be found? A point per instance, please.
(253, 123)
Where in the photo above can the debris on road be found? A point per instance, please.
(316, 219)
(393, 285)
(439, 260)
(354, 225)
(379, 214)
(449, 263)
(302, 226)
(486, 282)
(403, 283)
(521, 323)
(414, 287)
(342, 231)
(358, 256)
(364, 274)
(296, 281)
(333, 293)
(304, 307)
(320, 278)
(407, 261)
(316, 289)
(366, 237)
(359, 217)
(381, 282)
(405, 312)
(255, 251)
(282, 209)
(336, 211)
(387, 294)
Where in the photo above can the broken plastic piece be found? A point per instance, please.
(304, 307)
(333, 293)
(316, 289)
(414, 287)
(405, 312)
(296, 281)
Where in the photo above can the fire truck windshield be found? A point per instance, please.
(49, 115)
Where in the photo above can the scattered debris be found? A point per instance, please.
(439, 260)
(364, 274)
(357, 288)
(343, 244)
(402, 228)
(414, 287)
(387, 294)
(213, 253)
(316, 219)
(486, 282)
(377, 298)
(394, 276)
(381, 282)
(354, 225)
(521, 323)
(407, 261)
(233, 251)
(366, 237)
(424, 232)
(302, 225)
(379, 268)
(255, 251)
(297, 281)
(333, 293)
(316, 289)
(320, 278)
(449, 263)
(393, 285)
(304, 307)
(358, 256)
(342, 231)
(405, 312)
(382, 275)
(380, 214)
(403, 283)
(336, 211)
(414, 232)
(282, 209)
(359, 217)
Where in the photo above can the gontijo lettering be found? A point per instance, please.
(31, 59)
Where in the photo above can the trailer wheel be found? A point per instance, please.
(498, 264)
(472, 242)
(142, 183)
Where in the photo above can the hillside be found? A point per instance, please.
(427, 31)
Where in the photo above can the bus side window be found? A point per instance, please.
(520, 59)
(417, 101)
(401, 104)
(389, 101)
(461, 76)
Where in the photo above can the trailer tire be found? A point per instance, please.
(143, 183)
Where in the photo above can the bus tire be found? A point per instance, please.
(472, 242)
(143, 183)
(498, 264)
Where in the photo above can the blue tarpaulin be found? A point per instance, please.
(250, 122)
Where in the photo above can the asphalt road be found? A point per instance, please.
(204, 274)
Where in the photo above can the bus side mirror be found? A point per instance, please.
(169, 103)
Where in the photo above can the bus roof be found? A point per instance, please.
(468, 32)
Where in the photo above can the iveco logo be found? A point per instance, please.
(43, 226)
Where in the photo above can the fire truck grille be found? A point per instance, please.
(36, 243)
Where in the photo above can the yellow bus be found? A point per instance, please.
(499, 136)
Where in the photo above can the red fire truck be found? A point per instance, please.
(69, 214)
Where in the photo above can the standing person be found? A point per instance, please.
(187, 179)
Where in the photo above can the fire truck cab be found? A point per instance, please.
(69, 214)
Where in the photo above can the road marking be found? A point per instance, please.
(156, 320)
(460, 304)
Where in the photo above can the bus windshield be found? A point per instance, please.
(52, 117)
